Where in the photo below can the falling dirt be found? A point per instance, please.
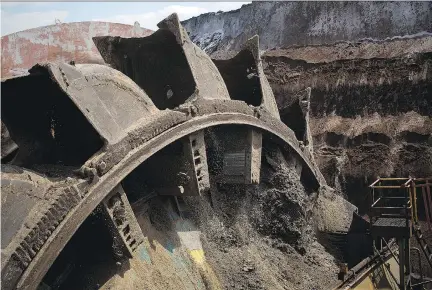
(236, 237)
(262, 237)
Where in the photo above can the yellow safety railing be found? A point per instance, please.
(411, 185)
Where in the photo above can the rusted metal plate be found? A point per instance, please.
(59, 43)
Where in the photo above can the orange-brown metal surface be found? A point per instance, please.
(59, 43)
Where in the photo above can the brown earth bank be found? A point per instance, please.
(370, 107)
(362, 49)
(370, 110)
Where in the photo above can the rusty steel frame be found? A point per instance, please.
(408, 182)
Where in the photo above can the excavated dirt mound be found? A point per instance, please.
(262, 237)
(237, 237)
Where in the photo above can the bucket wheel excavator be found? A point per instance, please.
(161, 118)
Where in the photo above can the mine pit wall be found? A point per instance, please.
(282, 24)
(369, 117)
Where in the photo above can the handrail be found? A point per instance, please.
(419, 261)
(422, 283)
(423, 179)
(375, 182)
(389, 186)
(427, 206)
(408, 182)
(413, 192)
(394, 206)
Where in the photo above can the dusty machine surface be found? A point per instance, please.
(163, 170)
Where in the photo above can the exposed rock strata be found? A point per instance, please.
(370, 116)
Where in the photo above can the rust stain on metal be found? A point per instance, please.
(59, 43)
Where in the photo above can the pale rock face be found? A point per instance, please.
(281, 24)
(209, 42)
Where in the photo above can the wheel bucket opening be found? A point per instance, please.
(87, 260)
(241, 78)
(47, 127)
(293, 117)
(156, 63)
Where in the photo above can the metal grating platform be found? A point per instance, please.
(391, 228)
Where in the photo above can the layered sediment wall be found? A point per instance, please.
(371, 108)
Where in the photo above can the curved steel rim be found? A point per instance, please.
(35, 272)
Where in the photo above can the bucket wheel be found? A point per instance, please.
(94, 144)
